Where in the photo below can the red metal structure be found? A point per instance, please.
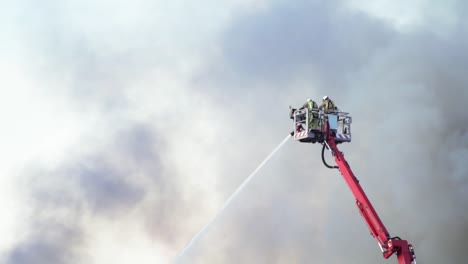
(334, 129)
(389, 245)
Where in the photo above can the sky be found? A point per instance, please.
(125, 126)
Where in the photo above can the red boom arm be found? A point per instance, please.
(403, 250)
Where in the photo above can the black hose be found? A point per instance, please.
(323, 159)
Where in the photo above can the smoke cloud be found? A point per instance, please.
(139, 121)
(410, 94)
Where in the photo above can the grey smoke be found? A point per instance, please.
(52, 243)
(100, 184)
(405, 91)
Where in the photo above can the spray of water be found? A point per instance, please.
(228, 201)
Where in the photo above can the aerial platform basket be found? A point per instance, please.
(311, 130)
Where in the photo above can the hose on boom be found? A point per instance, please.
(323, 158)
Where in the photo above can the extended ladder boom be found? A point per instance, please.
(388, 245)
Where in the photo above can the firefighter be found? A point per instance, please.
(327, 105)
(313, 113)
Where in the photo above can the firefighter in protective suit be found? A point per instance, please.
(327, 105)
(314, 121)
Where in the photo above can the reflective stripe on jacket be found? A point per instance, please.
(312, 105)
(329, 104)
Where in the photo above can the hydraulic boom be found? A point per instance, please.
(389, 245)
